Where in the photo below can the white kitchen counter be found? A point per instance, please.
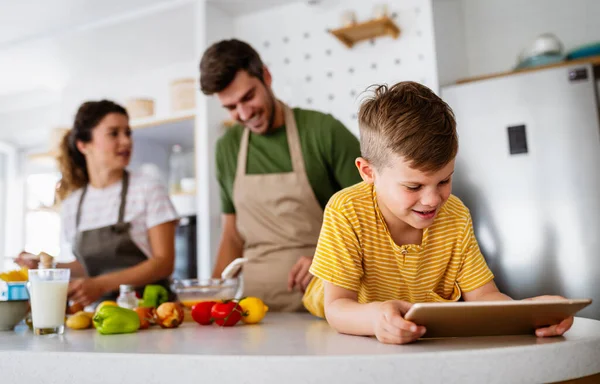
(291, 348)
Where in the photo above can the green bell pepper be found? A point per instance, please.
(155, 295)
(110, 320)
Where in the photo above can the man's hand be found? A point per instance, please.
(390, 326)
(85, 291)
(299, 275)
(557, 329)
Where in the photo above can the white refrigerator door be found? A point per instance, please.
(529, 170)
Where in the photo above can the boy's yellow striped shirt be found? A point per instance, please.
(356, 252)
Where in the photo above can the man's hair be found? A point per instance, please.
(408, 120)
(222, 60)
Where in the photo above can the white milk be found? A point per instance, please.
(48, 303)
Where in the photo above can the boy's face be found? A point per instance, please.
(407, 194)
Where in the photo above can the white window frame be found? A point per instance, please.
(11, 223)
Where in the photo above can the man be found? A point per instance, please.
(277, 170)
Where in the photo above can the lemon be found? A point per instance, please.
(254, 310)
(79, 322)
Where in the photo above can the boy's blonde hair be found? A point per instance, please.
(409, 120)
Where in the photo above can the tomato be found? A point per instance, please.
(226, 314)
(201, 312)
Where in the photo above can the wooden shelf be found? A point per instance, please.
(153, 122)
(367, 30)
(594, 60)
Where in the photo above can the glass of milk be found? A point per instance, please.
(48, 297)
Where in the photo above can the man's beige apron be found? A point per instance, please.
(279, 218)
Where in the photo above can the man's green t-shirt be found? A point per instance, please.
(328, 147)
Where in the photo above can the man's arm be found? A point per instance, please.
(231, 246)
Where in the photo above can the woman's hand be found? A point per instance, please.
(557, 329)
(28, 260)
(85, 291)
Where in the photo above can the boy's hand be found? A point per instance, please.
(553, 330)
(390, 326)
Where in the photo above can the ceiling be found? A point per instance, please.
(46, 44)
(244, 7)
(24, 20)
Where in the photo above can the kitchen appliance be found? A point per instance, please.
(186, 264)
(528, 168)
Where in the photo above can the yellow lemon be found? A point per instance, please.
(78, 322)
(254, 310)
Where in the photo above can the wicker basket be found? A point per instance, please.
(183, 94)
(137, 108)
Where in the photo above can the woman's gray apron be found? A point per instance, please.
(111, 248)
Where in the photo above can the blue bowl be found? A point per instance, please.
(540, 60)
(589, 50)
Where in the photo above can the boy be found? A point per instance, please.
(399, 237)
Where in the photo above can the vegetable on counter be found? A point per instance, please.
(250, 310)
(201, 312)
(169, 315)
(155, 295)
(110, 320)
(106, 303)
(147, 316)
(226, 314)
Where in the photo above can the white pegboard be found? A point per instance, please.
(312, 69)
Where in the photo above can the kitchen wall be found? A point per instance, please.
(311, 69)
(212, 25)
(118, 58)
(475, 37)
(450, 40)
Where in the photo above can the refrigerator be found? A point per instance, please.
(528, 168)
(186, 265)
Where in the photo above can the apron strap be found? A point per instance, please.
(78, 215)
(124, 188)
(293, 139)
(293, 143)
(243, 154)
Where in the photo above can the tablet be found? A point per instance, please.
(491, 318)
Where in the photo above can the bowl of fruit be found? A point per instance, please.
(193, 291)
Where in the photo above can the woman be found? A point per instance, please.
(121, 226)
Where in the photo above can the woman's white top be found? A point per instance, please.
(148, 205)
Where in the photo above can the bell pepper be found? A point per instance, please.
(110, 320)
(155, 295)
